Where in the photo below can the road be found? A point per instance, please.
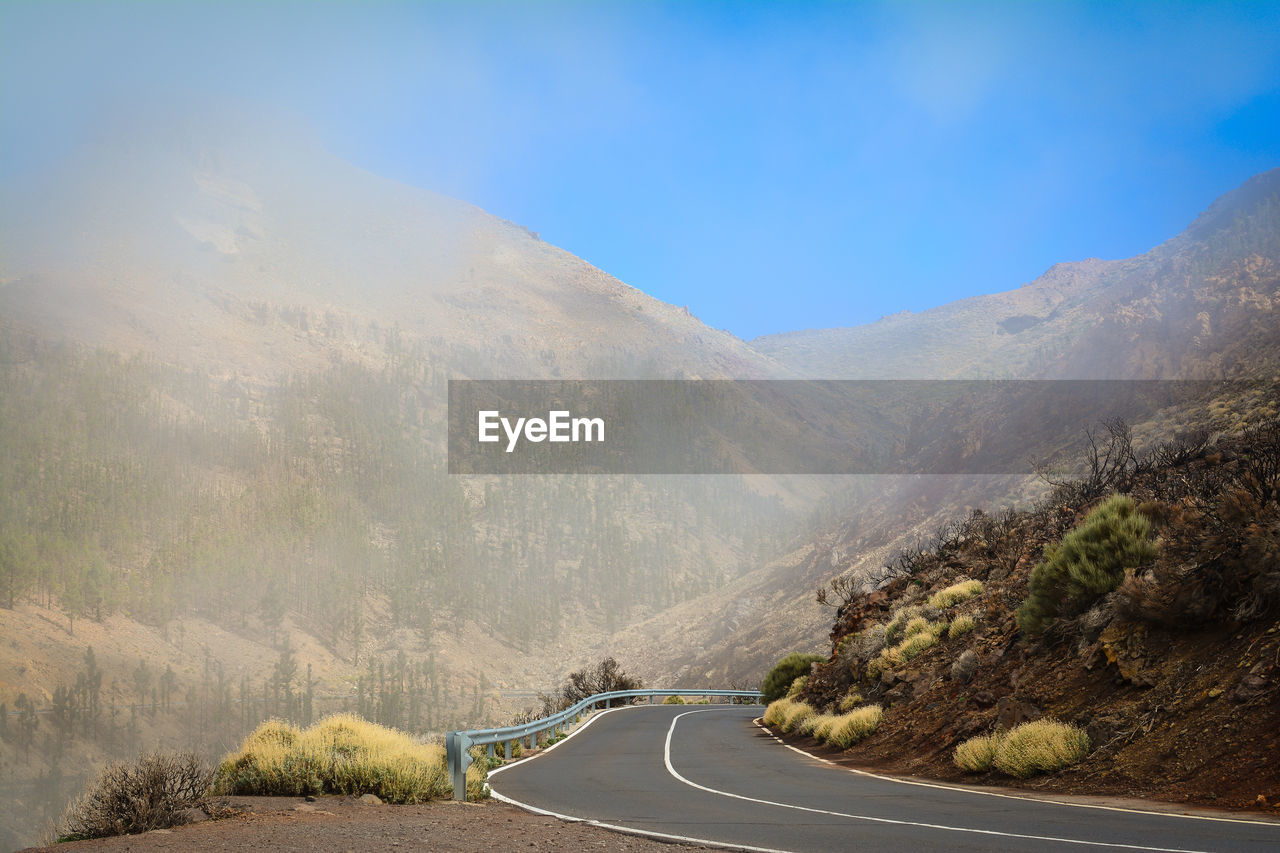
(709, 775)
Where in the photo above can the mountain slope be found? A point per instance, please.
(231, 240)
(1177, 311)
(1205, 304)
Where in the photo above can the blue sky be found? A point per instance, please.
(774, 166)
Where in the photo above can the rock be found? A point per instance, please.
(899, 694)
(983, 699)
(309, 798)
(370, 799)
(1012, 712)
(1122, 643)
(964, 667)
(1250, 687)
(194, 815)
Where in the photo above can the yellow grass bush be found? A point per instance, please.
(960, 626)
(1040, 746)
(341, 754)
(851, 700)
(777, 712)
(954, 594)
(852, 727)
(976, 754)
(797, 714)
(1028, 749)
(823, 725)
(917, 625)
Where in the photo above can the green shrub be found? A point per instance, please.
(797, 686)
(960, 626)
(954, 594)
(778, 680)
(1089, 562)
(341, 754)
(1040, 746)
(673, 700)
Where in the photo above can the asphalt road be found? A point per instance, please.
(708, 774)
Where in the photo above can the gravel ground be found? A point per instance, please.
(346, 824)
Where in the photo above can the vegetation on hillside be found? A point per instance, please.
(778, 680)
(341, 754)
(1137, 605)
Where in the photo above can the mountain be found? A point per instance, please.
(1199, 306)
(229, 239)
(224, 356)
(1203, 305)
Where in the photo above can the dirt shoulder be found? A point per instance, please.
(346, 824)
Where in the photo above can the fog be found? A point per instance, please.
(243, 251)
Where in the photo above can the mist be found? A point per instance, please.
(243, 251)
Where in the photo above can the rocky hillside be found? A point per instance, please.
(1202, 305)
(1205, 304)
(1174, 673)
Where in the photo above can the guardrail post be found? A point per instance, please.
(491, 751)
(456, 756)
(508, 747)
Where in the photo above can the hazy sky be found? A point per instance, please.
(774, 166)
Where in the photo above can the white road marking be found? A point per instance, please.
(1043, 838)
(633, 831)
(1012, 796)
(664, 836)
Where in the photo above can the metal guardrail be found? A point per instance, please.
(458, 743)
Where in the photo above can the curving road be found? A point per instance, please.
(709, 775)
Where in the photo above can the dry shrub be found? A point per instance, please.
(960, 626)
(1025, 750)
(1040, 746)
(796, 715)
(954, 594)
(341, 754)
(852, 727)
(850, 701)
(976, 754)
(777, 712)
(823, 724)
(153, 792)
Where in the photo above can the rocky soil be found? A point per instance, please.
(347, 824)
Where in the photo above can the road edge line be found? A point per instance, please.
(758, 721)
(894, 821)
